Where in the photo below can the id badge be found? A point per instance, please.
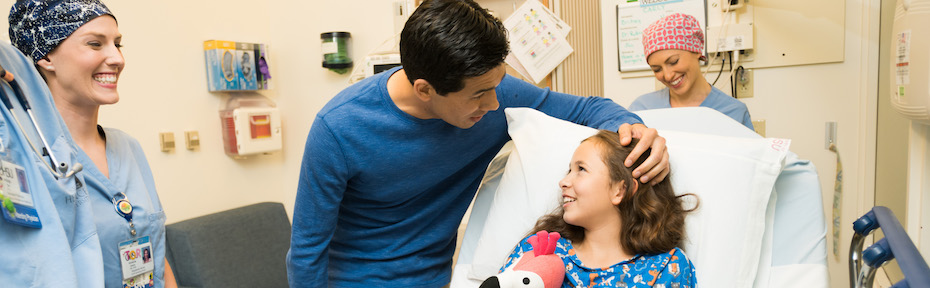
(17, 207)
(135, 257)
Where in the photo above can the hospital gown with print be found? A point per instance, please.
(665, 270)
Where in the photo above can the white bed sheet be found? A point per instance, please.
(799, 231)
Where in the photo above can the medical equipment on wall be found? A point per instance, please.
(251, 125)
(386, 58)
(910, 62)
(728, 5)
(58, 169)
(337, 56)
(379, 59)
(377, 63)
(236, 66)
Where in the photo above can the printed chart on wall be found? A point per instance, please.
(633, 16)
(537, 40)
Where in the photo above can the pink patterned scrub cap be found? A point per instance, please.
(676, 31)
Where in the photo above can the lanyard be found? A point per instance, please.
(124, 209)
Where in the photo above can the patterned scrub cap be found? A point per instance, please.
(676, 31)
(38, 26)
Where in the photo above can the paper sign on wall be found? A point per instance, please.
(537, 40)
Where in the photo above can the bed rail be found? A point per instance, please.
(895, 245)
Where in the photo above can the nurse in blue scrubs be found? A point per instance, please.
(47, 235)
(76, 46)
(673, 47)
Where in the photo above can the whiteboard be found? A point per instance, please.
(633, 16)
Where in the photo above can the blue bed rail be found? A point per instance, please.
(895, 245)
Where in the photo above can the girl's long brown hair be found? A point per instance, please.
(652, 217)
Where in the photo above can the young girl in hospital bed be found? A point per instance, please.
(615, 231)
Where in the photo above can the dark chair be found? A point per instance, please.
(242, 247)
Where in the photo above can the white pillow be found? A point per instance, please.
(529, 186)
(733, 177)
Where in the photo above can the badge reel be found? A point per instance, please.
(16, 197)
(136, 254)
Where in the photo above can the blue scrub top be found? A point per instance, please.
(130, 174)
(716, 100)
(65, 251)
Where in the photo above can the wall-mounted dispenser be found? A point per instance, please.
(236, 66)
(336, 52)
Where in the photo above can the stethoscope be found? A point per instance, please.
(62, 171)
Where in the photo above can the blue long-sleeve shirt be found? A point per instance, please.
(382, 193)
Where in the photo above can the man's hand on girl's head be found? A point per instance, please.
(655, 168)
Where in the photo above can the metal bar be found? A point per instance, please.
(916, 271)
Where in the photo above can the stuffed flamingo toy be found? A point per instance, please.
(542, 269)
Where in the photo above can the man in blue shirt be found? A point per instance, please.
(392, 162)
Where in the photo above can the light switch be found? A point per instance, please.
(167, 141)
(192, 140)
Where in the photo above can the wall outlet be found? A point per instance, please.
(192, 140)
(167, 141)
(759, 126)
(744, 87)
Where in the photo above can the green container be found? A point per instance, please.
(335, 48)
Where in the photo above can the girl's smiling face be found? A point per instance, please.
(588, 194)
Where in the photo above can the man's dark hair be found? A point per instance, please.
(446, 41)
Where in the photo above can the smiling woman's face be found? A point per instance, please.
(679, 70)
(86, 66)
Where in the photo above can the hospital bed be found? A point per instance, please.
(760, 222)
(895, 245)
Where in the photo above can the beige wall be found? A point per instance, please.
(305, 85)
(796, 102)
(892, 133)
(163, 89)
